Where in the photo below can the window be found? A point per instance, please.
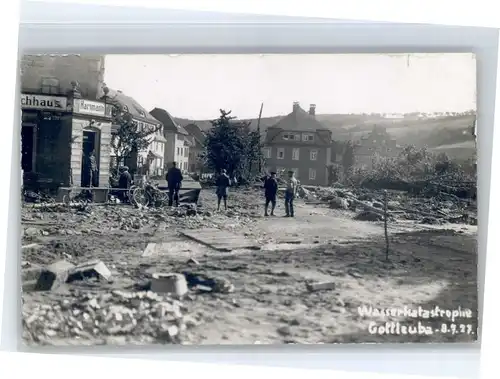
(50, 86)
(312, 174)
(266, 152)
(307, 137)
(291, 137)
(313, 155)
(281, 153)
(295, 154)
(178, 151)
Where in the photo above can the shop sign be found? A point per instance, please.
(88, 107)
(53, 103)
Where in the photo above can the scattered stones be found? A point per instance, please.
(107, 317)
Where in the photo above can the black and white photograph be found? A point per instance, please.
(206, 199)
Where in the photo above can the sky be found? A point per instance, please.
(197, 86)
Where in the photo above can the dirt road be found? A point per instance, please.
(429, 267)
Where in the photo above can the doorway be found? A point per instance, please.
(28, 148)
(90, 144)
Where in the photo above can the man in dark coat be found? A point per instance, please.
(174, 179)
(270, 192)
(222, 183)
(124, 182)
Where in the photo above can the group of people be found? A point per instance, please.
(271, 193)
(223, 182)
(174, 180)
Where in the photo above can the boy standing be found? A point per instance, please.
(223, 182)
(291, 191)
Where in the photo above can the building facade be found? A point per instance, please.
(54, 74)
(300, 143)
(62, 122)
(377, 143)
(178, 140)
(149, 161)
(196, 149)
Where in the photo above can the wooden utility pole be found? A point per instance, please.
(258, 131)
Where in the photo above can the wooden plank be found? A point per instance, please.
(220, 240)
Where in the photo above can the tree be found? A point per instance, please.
(232, 145)
(129, 137)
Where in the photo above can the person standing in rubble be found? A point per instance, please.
(222, 183)
(174, 180)
(290, 193)
(124, 182)
(270, 192)
(92, 167)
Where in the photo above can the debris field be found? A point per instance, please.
(114, 274)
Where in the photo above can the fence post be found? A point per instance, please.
(385, 227)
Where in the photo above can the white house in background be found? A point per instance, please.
(178, 140)
(154, 154)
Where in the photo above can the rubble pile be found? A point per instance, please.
(107, 318)
(109, 218)
(445, 208)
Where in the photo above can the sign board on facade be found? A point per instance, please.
(53, 103)
(88, 107)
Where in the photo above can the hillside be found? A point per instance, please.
(450, 134)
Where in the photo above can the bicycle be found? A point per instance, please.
(148, 194)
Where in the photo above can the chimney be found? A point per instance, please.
(312, 109)
(296, 105)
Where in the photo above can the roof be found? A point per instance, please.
(300, 121)
(159, 138)
(297, 121)
(196, 132)
(136, 110)
(169, 125)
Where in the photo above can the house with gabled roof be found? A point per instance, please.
(153, 157)
(178, 139)
(301, 143)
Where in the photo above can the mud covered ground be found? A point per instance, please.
(431, 269)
